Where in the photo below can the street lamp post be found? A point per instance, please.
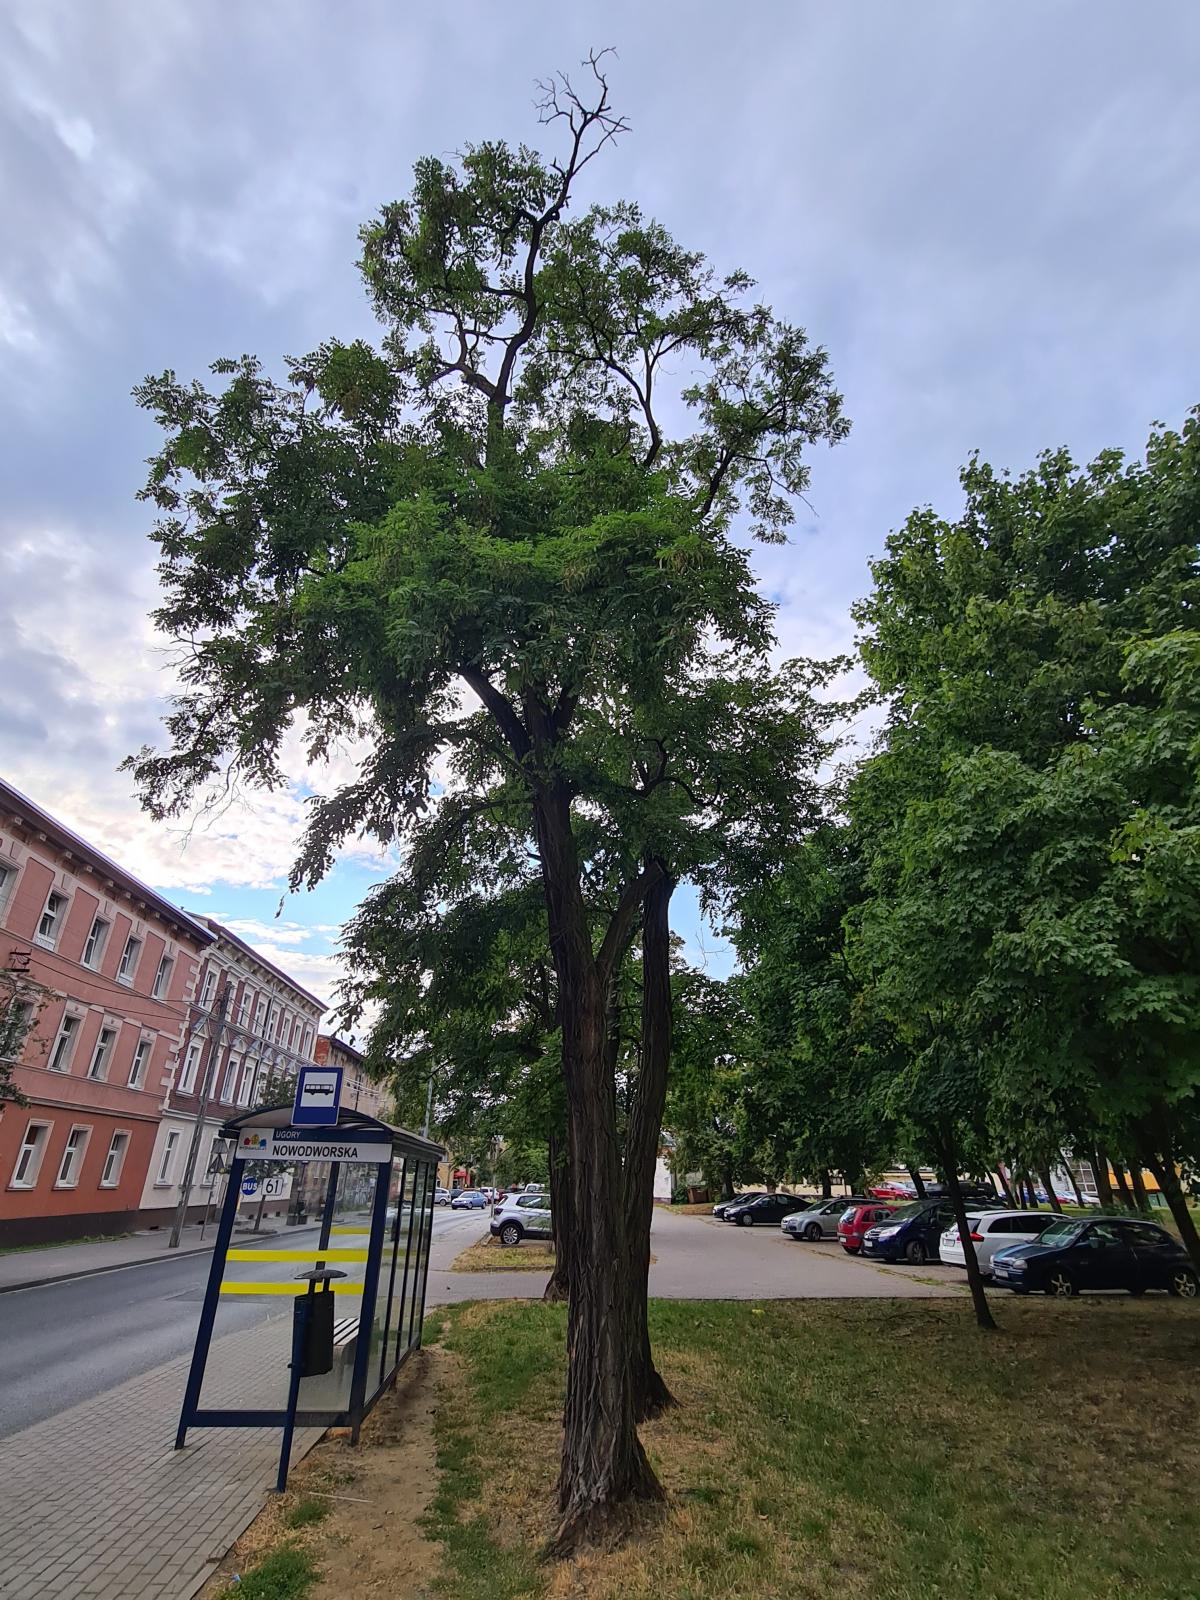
(189, 1171)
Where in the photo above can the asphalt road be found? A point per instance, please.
(65, 1342)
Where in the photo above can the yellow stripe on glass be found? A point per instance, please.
(366, 1228)
(287, 1288)
(328, 1254)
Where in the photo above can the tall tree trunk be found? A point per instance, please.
(1156, 1132)
(1104, 1188)
(918, 1181)
(604, 1467)
(826, 1184)
(650, 1394)
(559, 1285)
(1055, 1202)
(1031, 1199)
(1123, 1185)
(1138, 1184)
(949, 1154)
(727, 1183)
(1009, 1192)
(1071, 1178)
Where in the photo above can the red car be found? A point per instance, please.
(857, 1219)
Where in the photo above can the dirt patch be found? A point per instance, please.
(370, 1542)
(489, 1255)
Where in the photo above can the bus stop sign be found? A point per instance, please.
(318, 1097)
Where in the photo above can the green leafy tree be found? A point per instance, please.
(490, 512)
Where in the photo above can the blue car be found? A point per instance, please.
(469, 1200)
(1078, 1254)
(911, 1234)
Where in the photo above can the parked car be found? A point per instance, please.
(743, 1199)
(974, 1194)
(441, 1197)
(910, 1234)
(469, 1200)
(1079, 1253)
(524, 1215)
(856, 1219)
(819, 1219)
(768, 1208)
(992, 1231)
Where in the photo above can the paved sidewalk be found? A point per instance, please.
(21, 1269)
(132, 1518)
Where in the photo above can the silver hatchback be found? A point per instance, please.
(819, 1220)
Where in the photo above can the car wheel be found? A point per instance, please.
(914, 1253)
(812, 1232)
(745, 1220)
(851, 1249)
(1061, 1285)
(510, 1233)
(1184, 1284)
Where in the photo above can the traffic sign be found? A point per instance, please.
(318, 1097)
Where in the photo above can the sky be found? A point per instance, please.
(988, 214)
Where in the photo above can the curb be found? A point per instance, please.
(93, 1272)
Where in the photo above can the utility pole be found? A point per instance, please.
(189, 1171)
(428, 1108)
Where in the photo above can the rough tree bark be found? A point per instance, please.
(1006, 1185)
(1072, 1179)
(1138, 1184)
(650, 1393)
(1055, 1202)
(604, 1468)
(558, 1287)
(826, 1184)
(949, 1154)
(1123, 1186)
(1159, 1148)
(1104, 1186)
(918, 1182)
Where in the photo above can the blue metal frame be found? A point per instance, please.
(366, 1317)
(208, 1312)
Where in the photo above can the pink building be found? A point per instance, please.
(359, 1093)
(104, 970)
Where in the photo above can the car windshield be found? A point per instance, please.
(913, 1209)
(1061, 1232)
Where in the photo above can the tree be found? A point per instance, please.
(21, 1003)
(491, 506)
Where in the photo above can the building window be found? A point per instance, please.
(249, 1073)
(93, 950)
(162, 978)
(50, 926)
(8, 877)
(210, 987)
(259, 1009)
(141, 1060)
(129, 960)
(307, 1045)
(29, 1157)
(243, 1010)
(114, 1161)
(191, 1063)
(72, 1158)
(100, 1055)
(64, 1044)
(230, 1085)
(168, 1158)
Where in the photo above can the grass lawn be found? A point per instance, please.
(489, 1255)
(852, 1449)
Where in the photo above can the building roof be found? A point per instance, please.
(57, 833)
(221, 932)
(347, 1049)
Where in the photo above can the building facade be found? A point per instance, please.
(359, 1093)
(103, 971)
(249, 1030)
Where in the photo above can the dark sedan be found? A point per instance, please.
(1081, 1253)
(722, 1206)
(768, 1208)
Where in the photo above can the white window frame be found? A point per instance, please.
(137, 1078)
(95, 946)
(166, 1164)
(190, 1067)
(249, 1075)
(162, 978)
(72, 1035)
(98, 1066)
(112, 1180)
(230, 1083)
(38, 1152)
(243, 1011)
(209, 988)
(9, 873)
(130, 959)
(49, 941)
(77, 1151)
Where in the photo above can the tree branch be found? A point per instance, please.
(616, 936)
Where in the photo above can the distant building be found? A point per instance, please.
(105, 969)
(359, 1093)
(249, 1029)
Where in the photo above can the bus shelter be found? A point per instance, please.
(321, 1317)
